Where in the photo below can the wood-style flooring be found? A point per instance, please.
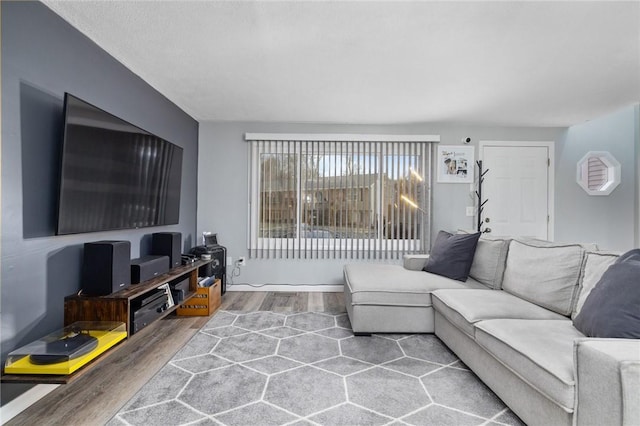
(98, 395)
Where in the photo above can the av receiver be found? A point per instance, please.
(148, 308)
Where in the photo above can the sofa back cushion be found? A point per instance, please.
(595, 264)
(546, 243)
(544, 274)
(489, 261)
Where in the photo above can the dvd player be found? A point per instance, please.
(159, 305)
(151, 297)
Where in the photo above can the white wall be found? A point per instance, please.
(223, 189)
(610, 221)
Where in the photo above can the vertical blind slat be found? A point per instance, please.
(314, 201)
(304, 195)
(337, 201)
(414, 196)
(369, 197)
(342, 201)
(300, 192)
(357, 224)
(396, 223)
(384, 202)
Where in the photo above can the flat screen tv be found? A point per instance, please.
(114, 175)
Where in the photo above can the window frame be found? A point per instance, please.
(314, 247)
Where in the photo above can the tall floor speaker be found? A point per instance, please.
(106, 267)
(168, 244)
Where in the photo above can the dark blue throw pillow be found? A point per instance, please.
(452, 255)
(612, 309)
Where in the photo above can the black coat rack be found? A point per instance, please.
(481, 203)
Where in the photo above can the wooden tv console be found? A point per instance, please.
(117, 306)
(112, 307)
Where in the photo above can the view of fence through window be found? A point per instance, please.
(328, 199)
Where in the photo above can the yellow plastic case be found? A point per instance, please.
(71, 358)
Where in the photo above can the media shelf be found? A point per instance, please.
(112, 307)
(117, 306)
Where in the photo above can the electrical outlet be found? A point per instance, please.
(229, 260)
(471, 211)
(241, 261)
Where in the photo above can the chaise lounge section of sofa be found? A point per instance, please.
(512, 323)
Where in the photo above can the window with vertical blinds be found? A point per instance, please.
(339, 196)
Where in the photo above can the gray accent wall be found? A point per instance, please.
(610, 221)
(637, 108)
(42, 58)
(223, 194)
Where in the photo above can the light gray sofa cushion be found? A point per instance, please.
(608, 378)
(547, 367)
(595, 263)
(490, 260)
(545, 274)
(393, 285)
(464, 308)
(546, 243)
(630, 372)
(414, 262)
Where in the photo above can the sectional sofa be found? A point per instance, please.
(512, 322)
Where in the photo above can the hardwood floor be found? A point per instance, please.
(97, 396)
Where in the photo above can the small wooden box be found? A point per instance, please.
(204, 303)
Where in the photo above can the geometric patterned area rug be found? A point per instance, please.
(307, 368)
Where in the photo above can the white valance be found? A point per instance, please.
(339, 137)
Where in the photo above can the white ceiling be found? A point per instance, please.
(504, 63)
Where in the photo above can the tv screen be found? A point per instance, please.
(114, 175)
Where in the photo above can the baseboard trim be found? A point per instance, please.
(24, 401)
(326, 288)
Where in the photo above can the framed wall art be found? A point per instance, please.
(455, 163)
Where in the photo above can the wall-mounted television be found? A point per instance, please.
(114, 175)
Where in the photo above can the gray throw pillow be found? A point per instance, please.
(612, 309)
(451, 255)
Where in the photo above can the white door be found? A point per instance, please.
(518, 186)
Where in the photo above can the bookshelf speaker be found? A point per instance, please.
(106, 267)
(167, 244)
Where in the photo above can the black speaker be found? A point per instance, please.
(168, 244)
(147, 267)
(106, 267)
(218, 267)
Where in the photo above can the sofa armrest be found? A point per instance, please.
(607, 373)
(415, 262)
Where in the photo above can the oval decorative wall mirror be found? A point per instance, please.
(598, 173)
